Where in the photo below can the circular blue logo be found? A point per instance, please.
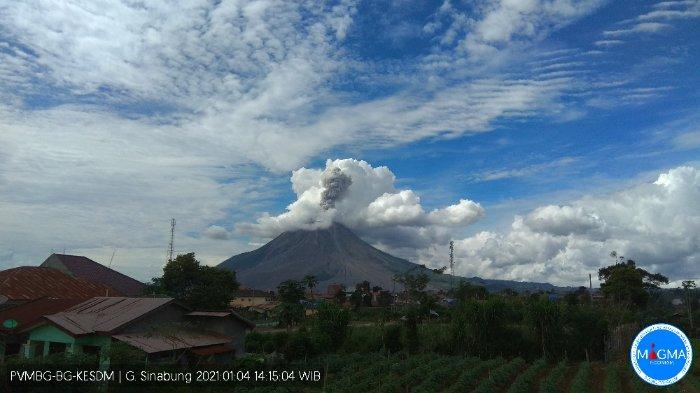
(661, 354)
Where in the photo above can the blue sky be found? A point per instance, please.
(567, 129)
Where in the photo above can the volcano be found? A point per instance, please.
(332, 255)
(337, 255)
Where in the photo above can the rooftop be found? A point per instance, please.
(32, 282)
(153, 343)
(87, 269)
(105, 314)
(28, 314)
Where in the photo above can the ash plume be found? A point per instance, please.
(336, 185)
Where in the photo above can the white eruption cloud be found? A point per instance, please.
(363, 198)
(656, 224)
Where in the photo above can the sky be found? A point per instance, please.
(538, 135)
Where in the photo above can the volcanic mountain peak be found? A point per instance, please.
(335, 255)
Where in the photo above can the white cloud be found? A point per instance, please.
(216, 232)
(503, 22)
(371, 205)
(656, 224)
(645, 27)
(117, 115)
(607, 43)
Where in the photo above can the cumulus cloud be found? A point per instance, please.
(371, 205)
(141, 111)
(216, 232)
(656, 224)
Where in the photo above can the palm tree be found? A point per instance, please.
(310, 281)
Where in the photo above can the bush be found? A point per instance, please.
(580, 382)
(523, 383)
(330, 327)
(553, 380)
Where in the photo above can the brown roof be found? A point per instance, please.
(31, 283)
(152, 343)
(28, 314)
(213, 350)
(221, 314)
(87, 269)
(105, 314)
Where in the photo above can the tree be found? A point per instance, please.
(330, 327)
(465, 290)
(689, 286)
(290, 291)
(195, 285)
(628, 284)
(290, 312)
(310, 281)
(361, 296)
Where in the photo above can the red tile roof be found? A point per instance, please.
(31, 283)
(87, 269)
(28, 314)
(105, 314)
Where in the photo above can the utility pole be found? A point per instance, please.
(171, 247)
(590, 282)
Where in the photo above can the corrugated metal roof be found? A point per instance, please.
(222, 314)
(87, 269)
(31, 283)
(105, 314)
(28, 314)
(152, 343)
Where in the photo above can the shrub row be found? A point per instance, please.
(524, 382)
(553, 380)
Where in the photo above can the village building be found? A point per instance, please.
(28, 293)
(245, 298)
(85, 268)
(159, 327)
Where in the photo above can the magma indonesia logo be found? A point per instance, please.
(661, 354)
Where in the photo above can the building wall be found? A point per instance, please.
(248, 301)
(228, 326)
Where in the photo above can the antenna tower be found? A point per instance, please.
(112, 258)
(171, 247)
(452, 264)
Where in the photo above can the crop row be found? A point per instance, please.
(468, 379)
(524, 382)
(438, 378)
(553, 380)
(414, 376)
(500, 376)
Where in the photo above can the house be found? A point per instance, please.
(22, 284)
(160, 327)
(250, 298)
(29, 292)
(89, 270)
(21, 317)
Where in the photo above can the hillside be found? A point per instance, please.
(336, 255)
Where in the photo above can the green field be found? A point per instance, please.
(434, 373)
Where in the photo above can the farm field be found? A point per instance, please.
(434, 373)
